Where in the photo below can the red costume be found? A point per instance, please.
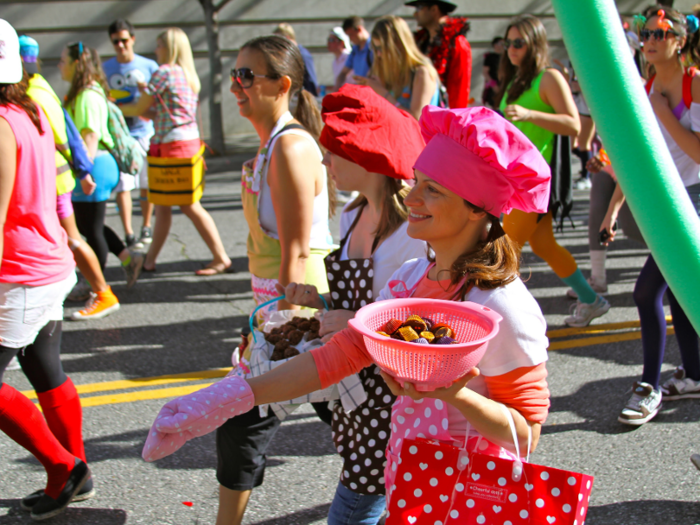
(452, 57)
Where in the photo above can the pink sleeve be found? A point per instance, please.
(342, 356)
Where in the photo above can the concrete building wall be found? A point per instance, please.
(55, 23)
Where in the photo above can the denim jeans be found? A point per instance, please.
(350, 508)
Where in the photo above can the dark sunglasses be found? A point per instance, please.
(245, 76)
(518, 43)
(658, 34)
(118, 41)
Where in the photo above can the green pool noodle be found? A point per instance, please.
(625, 120)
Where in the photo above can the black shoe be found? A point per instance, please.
(130, 240)
(87, 492)
(47, 507)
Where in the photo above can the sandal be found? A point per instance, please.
(215, 269)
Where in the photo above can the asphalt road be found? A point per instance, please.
(173, 322)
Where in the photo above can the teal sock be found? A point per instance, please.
(578, 282)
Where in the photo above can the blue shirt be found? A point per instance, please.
(123, 80)
(310, 79)
(360, 60)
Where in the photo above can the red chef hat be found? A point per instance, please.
(362, 127)
(483, 158)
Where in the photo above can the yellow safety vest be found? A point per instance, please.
(40, 91)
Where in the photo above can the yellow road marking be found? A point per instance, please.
(596, 329)
(601, 340)
(141, 395)
(143, 382)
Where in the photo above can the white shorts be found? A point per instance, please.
(128, 182)
(25, 310)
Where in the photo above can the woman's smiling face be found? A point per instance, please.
(435, 213)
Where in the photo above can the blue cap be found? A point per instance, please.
(28, 48)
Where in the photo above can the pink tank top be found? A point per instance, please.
(35, 251)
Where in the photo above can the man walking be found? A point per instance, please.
(361, 57)
(443, 39)
(124, 72)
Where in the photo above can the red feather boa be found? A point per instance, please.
(440, 49)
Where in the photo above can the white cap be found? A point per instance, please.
(10, 61)
(338, 32)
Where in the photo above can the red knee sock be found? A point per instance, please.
(64, 415)
(24, 424)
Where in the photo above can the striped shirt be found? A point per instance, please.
(176, 103)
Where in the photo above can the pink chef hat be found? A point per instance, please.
(483, 158)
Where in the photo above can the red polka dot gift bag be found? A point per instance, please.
(440, 484)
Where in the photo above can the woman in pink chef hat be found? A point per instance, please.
(475, 166)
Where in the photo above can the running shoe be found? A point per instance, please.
(644, 404)
(100, 305)
(130, 240)
(80, 292)
(584, 313)
(601, 289)
(678, 386)
(88, 491)
(133, 269)
(146, 235)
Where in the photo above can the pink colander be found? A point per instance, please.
(427, 366)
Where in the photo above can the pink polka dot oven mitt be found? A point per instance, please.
(197, 414)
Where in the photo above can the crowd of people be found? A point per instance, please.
(432, 213)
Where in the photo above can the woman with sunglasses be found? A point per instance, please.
(538, 101)
(86, 102)
(474, 161)
(667, 37)
(174, 93)
(286, 200)
(400, 72)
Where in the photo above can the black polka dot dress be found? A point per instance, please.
(360, 437)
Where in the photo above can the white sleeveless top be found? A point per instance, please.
(320, 231)
(688, 169)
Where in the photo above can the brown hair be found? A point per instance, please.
(282, 58)
(493, 262)
(513, 81)
(86, 71)
(691, 49)
(353, 22)
(17, 94)
(394, 211)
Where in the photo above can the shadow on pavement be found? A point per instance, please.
(301, 517)
(645, 513)
(72, 515)
(602, 417)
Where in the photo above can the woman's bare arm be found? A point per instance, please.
(8, 172)
(294, 166)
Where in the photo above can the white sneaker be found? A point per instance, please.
(13, 364)
(583, 184)
(644, 404)
(584, 313)
(598, 288)
(680, 387)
